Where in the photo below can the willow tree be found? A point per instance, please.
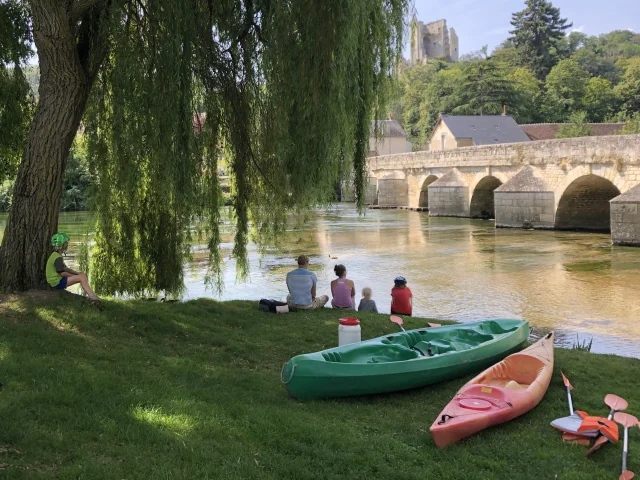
(289, 88)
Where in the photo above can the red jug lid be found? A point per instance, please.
(351, 322)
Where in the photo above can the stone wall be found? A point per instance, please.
(393, 192)
(524, 209)
(615, 151)
(563, 183)
(625, 218)
(585, 205)
(448, 201)
(625, 223)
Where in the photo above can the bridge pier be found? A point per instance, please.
(449, 196)
(625, 218)
(525, 201)
(371, 193)
(393, 191)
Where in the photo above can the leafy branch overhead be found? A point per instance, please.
(288, 88)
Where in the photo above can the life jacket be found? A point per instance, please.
(583, 425)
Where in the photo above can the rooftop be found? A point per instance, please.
(485, 129)
(388, 128)
(548, 131)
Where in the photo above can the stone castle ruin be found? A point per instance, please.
(433, 40)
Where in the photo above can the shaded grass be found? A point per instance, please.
(192, 390)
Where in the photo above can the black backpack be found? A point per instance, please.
(270, 305)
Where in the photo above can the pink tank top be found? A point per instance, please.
(342, 295)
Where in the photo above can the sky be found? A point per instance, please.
(487, 22)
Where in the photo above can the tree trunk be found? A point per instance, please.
(64, 89)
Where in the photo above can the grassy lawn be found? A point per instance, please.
(192, 390)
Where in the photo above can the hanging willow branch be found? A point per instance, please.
(289, 89)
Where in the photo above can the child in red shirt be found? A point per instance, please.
(401, 297)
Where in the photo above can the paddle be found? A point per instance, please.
(627, 421)
(615, 403)
(434, 325)
(569, 388)
(398, 321)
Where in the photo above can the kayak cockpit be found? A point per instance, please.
(415, 344)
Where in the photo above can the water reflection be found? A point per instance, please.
(458, 269)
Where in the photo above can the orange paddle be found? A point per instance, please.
(616, 403)
(567, 384)
(627, 421)
(398, 321)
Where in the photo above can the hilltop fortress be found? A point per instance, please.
(433, 40)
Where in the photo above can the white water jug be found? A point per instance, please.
(349, 331)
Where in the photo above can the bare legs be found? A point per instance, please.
(81, 278)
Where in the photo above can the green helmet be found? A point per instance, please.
(59, 239)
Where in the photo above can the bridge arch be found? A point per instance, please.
(482, 204)
(584, 204)
(583, 170)
(424, 191)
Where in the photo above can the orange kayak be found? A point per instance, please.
(499, 394)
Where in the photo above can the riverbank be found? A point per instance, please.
(192, 390)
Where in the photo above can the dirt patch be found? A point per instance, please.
(42, 296)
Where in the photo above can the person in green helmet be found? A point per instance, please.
(59, 276)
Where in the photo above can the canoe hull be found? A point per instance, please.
(373, 366)
(499, 394)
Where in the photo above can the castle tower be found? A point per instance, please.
(433, 40)
(454, 51)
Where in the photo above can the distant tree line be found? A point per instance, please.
(541, 73)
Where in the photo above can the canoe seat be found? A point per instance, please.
(472, 337)
(372, 354)
(513, 385)
(407, 339)
(435, 347)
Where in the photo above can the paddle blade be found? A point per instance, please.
(576, 439)
(596, 446)
(626, 475)
(434, 325)
(625, 419)
(396, 320)
(566, 382)
(615, 402)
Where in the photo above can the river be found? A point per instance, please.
(458, 269)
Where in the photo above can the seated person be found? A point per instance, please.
(342, 289)
(401, 297)
(367, 304)
(59, 276)
(302, 287)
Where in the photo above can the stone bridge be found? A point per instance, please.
(589, 183)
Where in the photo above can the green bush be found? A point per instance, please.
(6, 191)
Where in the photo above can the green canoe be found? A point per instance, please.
(403, 360)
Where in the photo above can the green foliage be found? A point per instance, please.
(565, 89)
(77, 180)
(528, 96)
(600, 100)
(485, 89)
(6, 192)
(582, 346)
(289, 89)
(632, 125)
(629, 88)
(192, 391)
(538, 31)
(16, 106)
(577, 127)
(83, 257)
(442, 96)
